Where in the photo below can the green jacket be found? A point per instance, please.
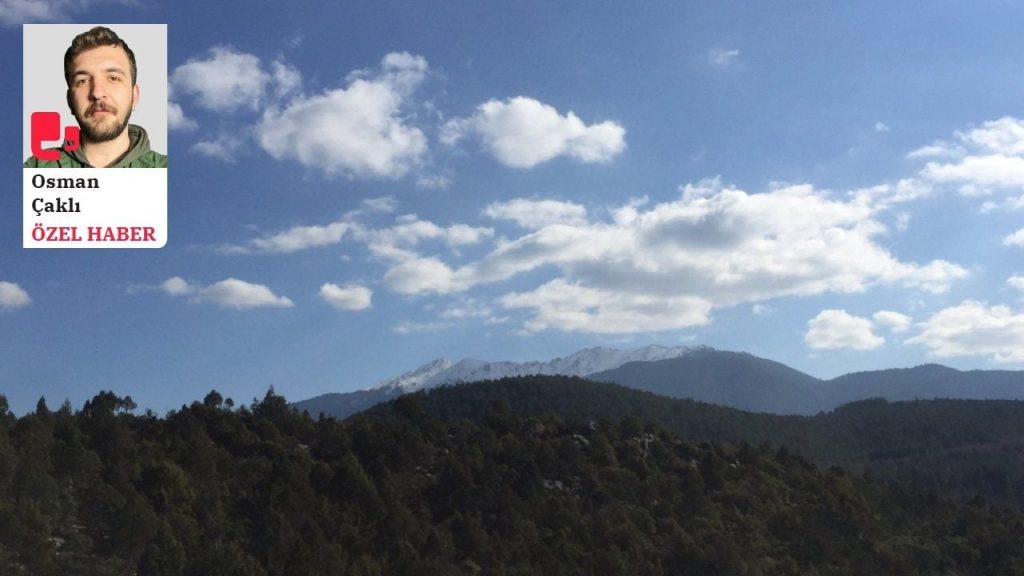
(138, 155)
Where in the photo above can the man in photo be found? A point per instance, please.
(100, 71)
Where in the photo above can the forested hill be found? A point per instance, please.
(262, 490)
(963, 448)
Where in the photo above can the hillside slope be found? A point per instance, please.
(265, 491)
(963, 448)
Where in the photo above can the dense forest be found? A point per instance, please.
(263, 490)
(961, 448)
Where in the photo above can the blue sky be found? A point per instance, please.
(357, 188)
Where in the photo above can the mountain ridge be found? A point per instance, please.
(441, 371)
(734, 379)
(582, 363)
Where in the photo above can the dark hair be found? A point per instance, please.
(98, 36)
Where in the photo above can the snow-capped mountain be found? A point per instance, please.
(414, 379)
(735, 379)
(441, 371)
(582, 363)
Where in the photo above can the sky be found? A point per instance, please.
(358, 188)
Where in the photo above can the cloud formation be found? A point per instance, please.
(226, 80)
(17, 12)
(670, 265)
(14, 12)
(347, 297)
(892, 320)
(230, 293)
(393, 244)
(837, 329)
(722, 57)
(13, 296)
(355, 131)
(299, 238)
(974, 329)
(177, 120)
(225, 146)
(1016, 239)
(984, 160)
(642, 267)
(571, 307)
(522, 132)
(536, 214)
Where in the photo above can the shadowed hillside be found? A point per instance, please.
(964, 448)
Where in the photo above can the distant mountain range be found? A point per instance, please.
(732, 379)
(743, 381)
(582, 363)
(440, 372)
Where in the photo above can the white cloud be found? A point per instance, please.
(226, 147)
(433, 182)
(536, 214)
(362, 129)
(285, 80)
(224, 81)
(356, 131)
(1007, 204)
(17, 12)
(176, 119)
(381, 204)
(299, 238)
(722, 57)
(560, 305)
(835, 329)
(1016, 239)
(234, 293)
(669, 265)
(643, 267)
(885, 195)
(397, 243)
(230, 293)
(903, 221)
(937, 150)
(347, 297)
(979, 174)
(1002, 136)
(522, 132)
(13, 296)
(464, 235)
(410, 327)
(21, 11)
(418, 275)
(893, 320)
(177, 286)
(985, 160)
(470, 309)
(881, 127)
(1016, 282)
(974, 329)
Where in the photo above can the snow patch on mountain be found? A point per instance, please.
(582, 363)
(414, 379)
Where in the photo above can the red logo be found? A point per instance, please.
(46, 128)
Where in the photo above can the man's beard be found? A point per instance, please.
(106, 131)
